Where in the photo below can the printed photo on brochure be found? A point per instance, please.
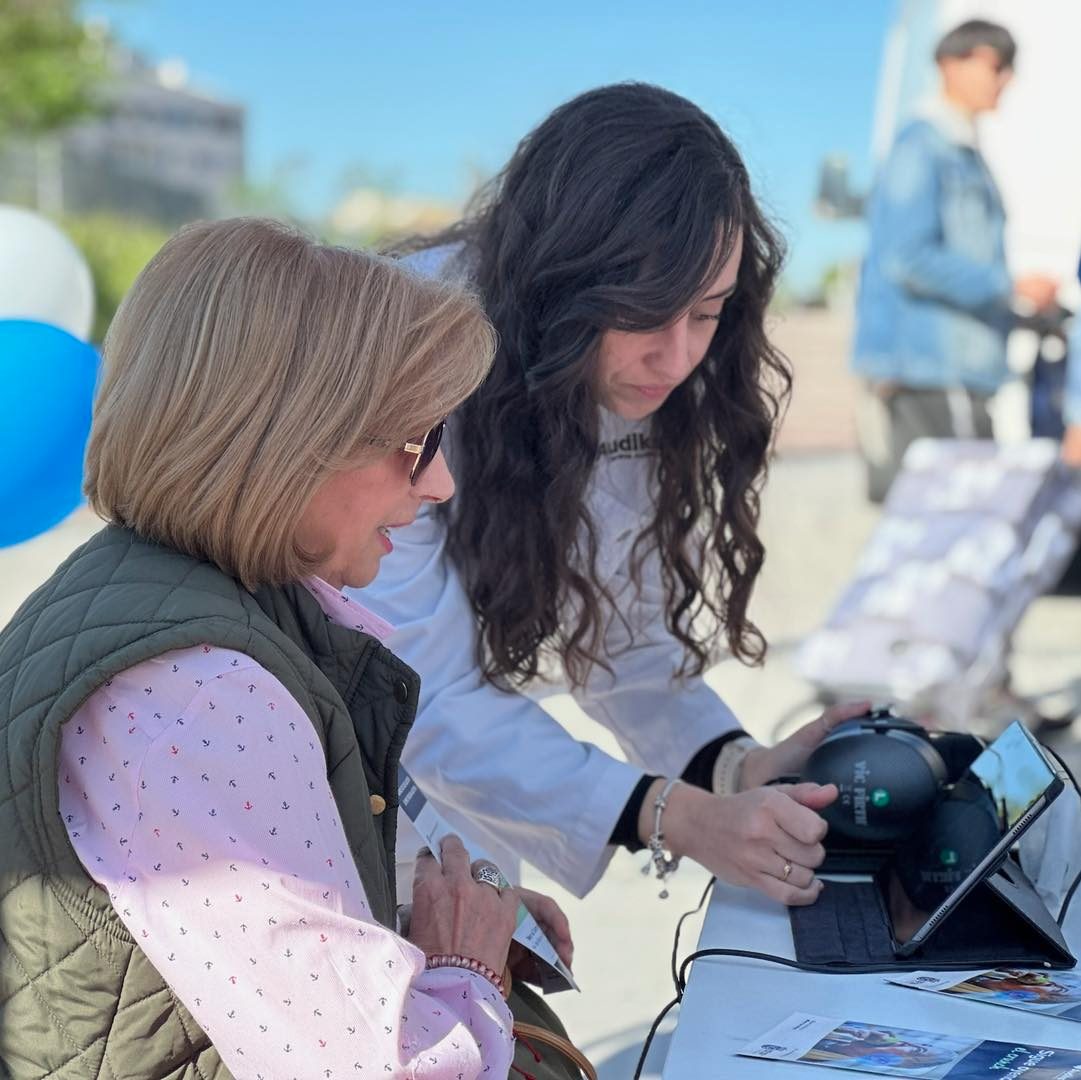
(1055, 993)
(887, 1050)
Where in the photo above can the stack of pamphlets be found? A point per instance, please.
(1052, 993)
(894, 1051)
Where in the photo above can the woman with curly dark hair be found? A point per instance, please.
(606, 530)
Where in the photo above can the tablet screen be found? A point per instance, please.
(1015, 773)
(999, 788)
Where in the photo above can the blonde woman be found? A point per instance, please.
(201, 733)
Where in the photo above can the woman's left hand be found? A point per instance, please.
(553, 922)
(789, 756)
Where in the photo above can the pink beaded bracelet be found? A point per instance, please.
(442, 960)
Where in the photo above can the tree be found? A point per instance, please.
(50, 66)
(116, 249)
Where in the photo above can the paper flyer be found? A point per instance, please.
(553, 974)
(893, 1051)
(1054, 993)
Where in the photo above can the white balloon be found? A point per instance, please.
(43, 276)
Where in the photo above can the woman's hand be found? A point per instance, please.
(452, 913)
(769, 839)
(789, 756)
(553, 922)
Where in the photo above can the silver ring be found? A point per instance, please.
(787, 870)
(487, 874)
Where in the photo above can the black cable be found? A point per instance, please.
(1066, 900)
(675, 980)
(1061, 917)
(653, 1031)
(679, 926)
(817, 969)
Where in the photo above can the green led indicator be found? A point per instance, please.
(880, 797)
(948, 857)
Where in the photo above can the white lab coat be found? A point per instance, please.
(495, 764)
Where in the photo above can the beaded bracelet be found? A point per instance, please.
(442, 960)
(728, 768)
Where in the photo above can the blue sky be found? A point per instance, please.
(423, 96)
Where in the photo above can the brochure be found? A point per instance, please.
(893, 1051)
(1055, 993)
(552, 973)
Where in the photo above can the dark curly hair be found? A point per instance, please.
(613, 214)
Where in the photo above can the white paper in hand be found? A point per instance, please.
(554, 975)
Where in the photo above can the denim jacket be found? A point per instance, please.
(933, 307)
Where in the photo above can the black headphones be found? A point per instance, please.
(904, 798)
(889, 772)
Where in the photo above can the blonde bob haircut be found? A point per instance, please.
(246, 365)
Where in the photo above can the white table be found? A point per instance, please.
(730, 1001)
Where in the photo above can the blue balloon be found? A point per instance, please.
(47, 380)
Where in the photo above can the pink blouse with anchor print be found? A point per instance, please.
(194, 790)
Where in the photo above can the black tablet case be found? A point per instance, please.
(1001, 922)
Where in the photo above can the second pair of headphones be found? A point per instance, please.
(905, 796)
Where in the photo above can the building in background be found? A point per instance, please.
(161, 151)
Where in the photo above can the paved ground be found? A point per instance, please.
(814, 522)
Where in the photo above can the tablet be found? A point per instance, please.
(1019, 781)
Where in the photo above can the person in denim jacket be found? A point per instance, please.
(1071, 408)
(936, 298)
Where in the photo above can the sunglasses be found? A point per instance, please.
(425, 450)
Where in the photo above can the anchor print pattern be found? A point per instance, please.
(194, 792)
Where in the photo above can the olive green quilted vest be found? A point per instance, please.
(79, 997)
